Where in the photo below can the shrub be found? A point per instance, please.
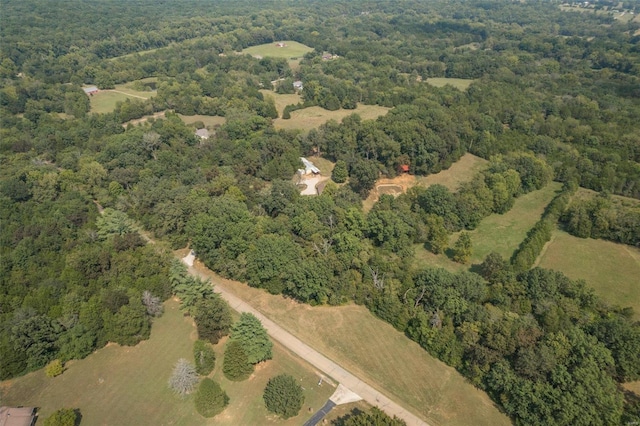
(62, 417)
(210, 398)
(235, 365)
(283, 396)
(204, 356)
(54, 368)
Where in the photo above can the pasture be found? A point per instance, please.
(290, 50)
(128, 385)
(313, 117)
(376, 352)
(611, 269)
(281, 100)
(500, 233)
(459, 83)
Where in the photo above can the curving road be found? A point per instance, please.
(322, 363)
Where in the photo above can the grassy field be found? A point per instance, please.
(379, 354)
(281, 100)
(312, 117)
(291, 50)
(208, 120)
(128, 385)
(611, 269)
(105, 100)
(633, 387)
(500, 233)
(458, 83)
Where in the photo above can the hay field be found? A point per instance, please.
(313, 117)
(459, 83)
(611, 269)
(375, 351)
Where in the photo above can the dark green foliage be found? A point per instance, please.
(210, 399)
(204, 357)
(373, 417)
(462, 248)
(213, 318)
(340, 172)
(62, 417)
(283, 396)
(249, 332)
(236, 365)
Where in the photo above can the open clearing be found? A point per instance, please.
(128, 385)
(313, 117)
(291, 50)
(374, 350)
(105, 100)
(463, 170)
(633, 387)
(281, 100)
(208, 120)
(500, 233)
(459, 83)
(611, 269)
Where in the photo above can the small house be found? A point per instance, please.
(91, 90)
(297, 85)
(309, 168)
(17, 416)
(280, 44)
(403, 168)
(202, 133)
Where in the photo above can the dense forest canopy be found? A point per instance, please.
(555, 96)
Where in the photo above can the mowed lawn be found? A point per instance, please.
(459, 83)
(385, 358)
(292, 49)
(611, 269)
(105, 100)
(128, 385)
(313, 117)
(500, 233)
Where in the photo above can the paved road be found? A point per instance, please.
(318, 360)
(313, 421)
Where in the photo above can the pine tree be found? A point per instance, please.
(250, 333)
(340, 172)
(210, 399)
(283, 396)
(235, 365)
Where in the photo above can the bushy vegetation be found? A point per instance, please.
(210, 399)
(204, 356)
(236, 365)
(555, 96)
(372, 417)
(62, 417)
(249, 332)
(283, 396)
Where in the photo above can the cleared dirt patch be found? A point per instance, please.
(460, 172)
(389, 189)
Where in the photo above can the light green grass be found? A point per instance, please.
(281, 100)
(208, 120)
(128, 385)
(105, 101)
(313, 117)
(292, 50)
(383, 357)
(611, 269)
(458, 83)
(500, 233)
